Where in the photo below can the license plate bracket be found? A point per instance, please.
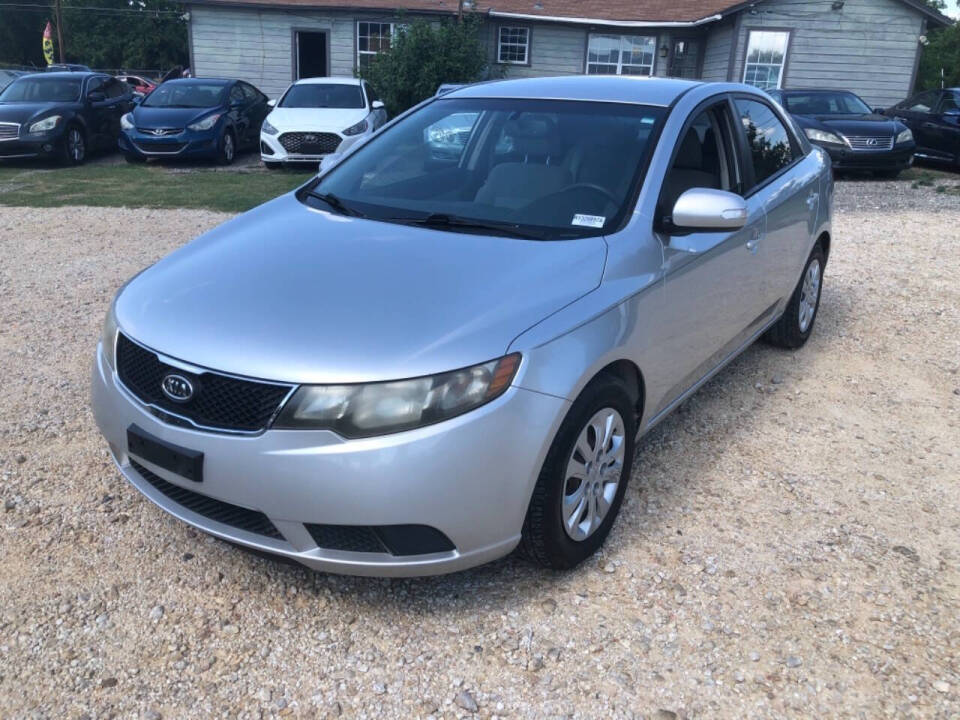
(182, 461)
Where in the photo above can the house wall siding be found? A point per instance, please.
(716, 53)
(868, 46)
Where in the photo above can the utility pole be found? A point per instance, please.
(459, 11)
(58, 15)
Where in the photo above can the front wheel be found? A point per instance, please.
(74, 146)
(794, 327)
(228, 149)
(584, 477)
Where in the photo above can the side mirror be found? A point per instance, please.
(96, 96)
(706, 209)
(271, 103)
(377, 105)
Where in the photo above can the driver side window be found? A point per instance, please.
(95, 85)
(704, 158)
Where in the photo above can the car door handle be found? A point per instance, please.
(754, 242)
(812, 200)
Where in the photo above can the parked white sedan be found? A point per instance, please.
(317, 117)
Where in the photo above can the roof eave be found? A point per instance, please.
(604, 22)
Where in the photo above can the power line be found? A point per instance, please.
(102, 10)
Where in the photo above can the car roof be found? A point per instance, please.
(596, 88)
(68, 74)
(199, 81)
(812, 91)
(328, 81)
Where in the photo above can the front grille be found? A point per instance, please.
(160, 132)
(301, 143)
(870, 142)
(222, 512)
(393, 539)
(353, 538)
(219, 402)
(167, 148)
(9, 131)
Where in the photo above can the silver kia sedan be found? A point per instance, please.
(421, 360)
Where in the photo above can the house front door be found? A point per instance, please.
(685, 59)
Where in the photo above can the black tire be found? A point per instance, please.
(887, 174)
(227, 151)
(789, 331)
(134, 159)
(272, 165)
(73, 150)
(545, 540)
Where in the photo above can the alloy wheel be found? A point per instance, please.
(75, 145)
(809, 295)
(593, 474)
(228, 147)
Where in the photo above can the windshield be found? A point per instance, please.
(312, 95)
(43, 89)
(821, 103)
(186, 95)
(545, 168)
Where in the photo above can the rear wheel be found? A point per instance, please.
(795, 326)
(74, 150)
(584, 477)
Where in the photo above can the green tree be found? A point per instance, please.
(144, 34)
(424, 55)
(942, 52)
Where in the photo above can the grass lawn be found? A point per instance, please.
(151, 186)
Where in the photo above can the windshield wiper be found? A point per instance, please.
(442, 220)
(336, 203)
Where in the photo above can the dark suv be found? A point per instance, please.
(934, 118)
(62, 116)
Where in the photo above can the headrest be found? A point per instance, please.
(534, 135)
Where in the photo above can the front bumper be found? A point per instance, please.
(37, 145)
(470, 478)
(843, 158)
(189, 143)
(271, 149)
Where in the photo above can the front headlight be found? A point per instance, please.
(356, 411)
(905, 137)
(356, 129)
(126, 122)
(823, 136)
(109, 337)
(208, 122)
(268, 128)
(45, 125)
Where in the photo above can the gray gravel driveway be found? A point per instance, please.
(789, 545)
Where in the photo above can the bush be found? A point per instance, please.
(943, 51)
(423, 56)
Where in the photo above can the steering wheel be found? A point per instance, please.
(599, 189)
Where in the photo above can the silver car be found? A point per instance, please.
(414, 363)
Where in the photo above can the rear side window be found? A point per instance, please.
(767, 139)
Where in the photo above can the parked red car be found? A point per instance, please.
(138, 83)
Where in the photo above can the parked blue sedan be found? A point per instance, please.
(207, 118)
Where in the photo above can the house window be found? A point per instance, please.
(514, 46)
(766, 57)
(372, 39)
(620, 55)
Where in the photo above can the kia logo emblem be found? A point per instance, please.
(176, 387)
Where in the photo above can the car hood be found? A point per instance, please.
(157, 117)
(289, 293)
(856, 124)
(300, 119)
(24, 112)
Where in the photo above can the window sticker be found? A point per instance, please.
(593, 221)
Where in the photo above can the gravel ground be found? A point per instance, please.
(789, 545)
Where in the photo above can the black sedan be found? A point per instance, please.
(856, 137)
(934, 118)
(63, 116)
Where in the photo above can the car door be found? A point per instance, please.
(256, 110)
(378, 115)
(786, 180)
(118, 103)
(916, 113)
(237, 102)
(711, 279)
(98, 111)
(948, 124)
